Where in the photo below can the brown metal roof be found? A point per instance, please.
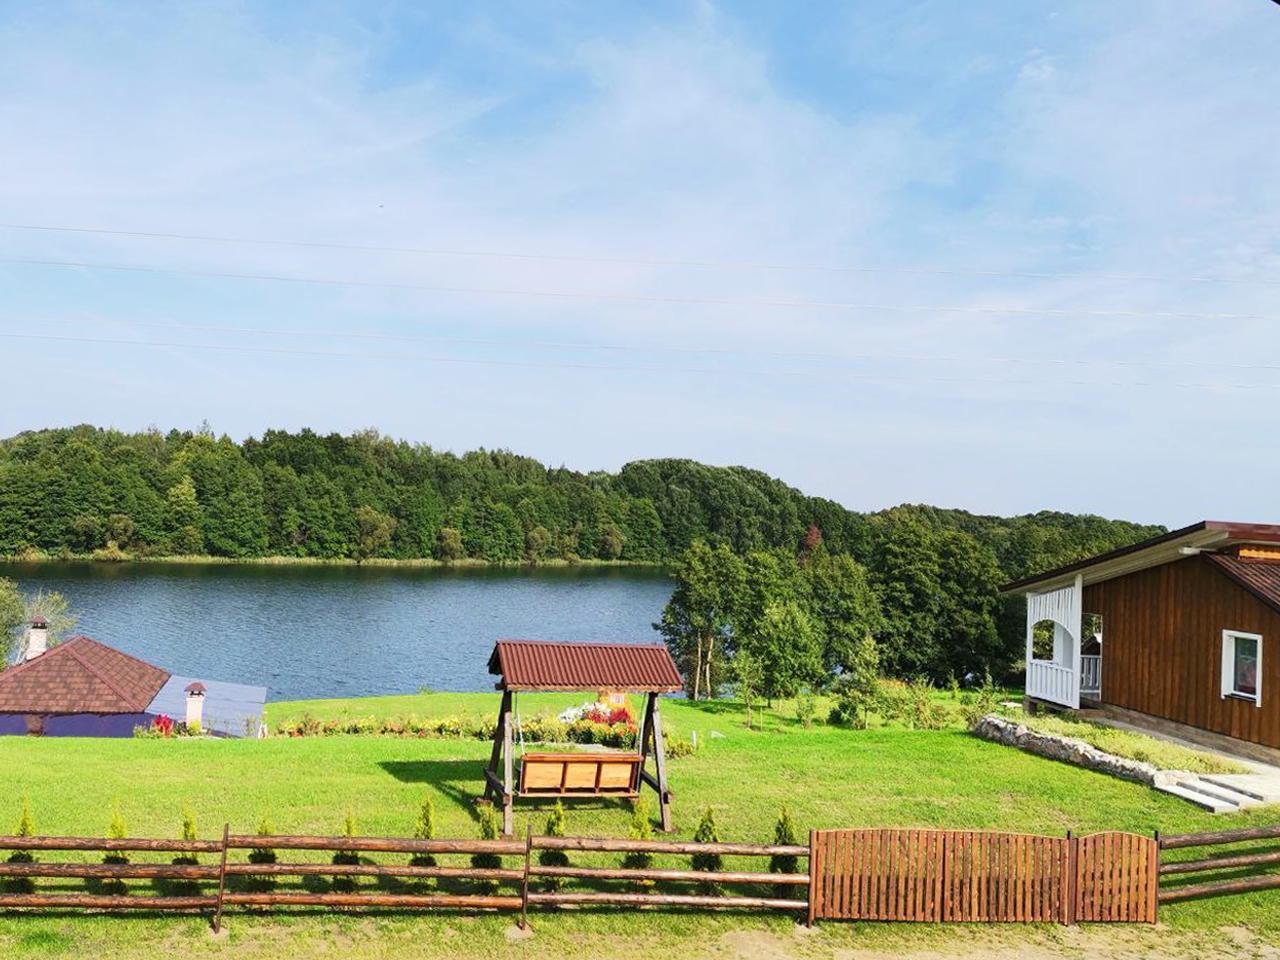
(549, 665)
(1260, 579)
(1227, 532)
(80, 676)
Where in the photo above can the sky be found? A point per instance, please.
(1000, 256)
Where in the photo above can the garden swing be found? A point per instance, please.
(541, 665)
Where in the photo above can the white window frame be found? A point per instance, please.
(1229, 638)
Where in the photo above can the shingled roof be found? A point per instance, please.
(1260, 579)
(80, 676)
(551, 665)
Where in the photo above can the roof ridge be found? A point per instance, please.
(18, 668)
(111, 684)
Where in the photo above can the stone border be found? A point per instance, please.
(1070, 750)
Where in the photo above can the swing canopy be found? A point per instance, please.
(558, 666)
(563, 666)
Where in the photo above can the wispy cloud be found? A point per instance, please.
(1122, 139)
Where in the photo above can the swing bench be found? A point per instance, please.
(546, 666)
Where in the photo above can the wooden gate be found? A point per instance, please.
(981, 876)
(1117, 878)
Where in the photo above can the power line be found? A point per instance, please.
(639, 261)
(613, 368)
(638, 348)
(643, 298)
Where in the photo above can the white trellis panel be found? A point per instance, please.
(1057, 681)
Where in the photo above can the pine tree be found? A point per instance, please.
(344, 882)
(116, 830)
(186, 888)
(707, 862)
(26, 828)
(784, 835)
(265, 883)
(487, 861)
(640, 829)
(554, 858)
(424, 829)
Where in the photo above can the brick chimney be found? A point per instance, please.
(195, 704)
(37, 638)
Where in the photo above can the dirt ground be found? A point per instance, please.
(1077, 943)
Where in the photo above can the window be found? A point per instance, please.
(1242, 665)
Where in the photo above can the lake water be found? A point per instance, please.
(308, 632)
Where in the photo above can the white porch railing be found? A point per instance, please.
(1053, 682)
(1090, 673)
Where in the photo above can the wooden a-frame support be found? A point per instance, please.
(501, 787)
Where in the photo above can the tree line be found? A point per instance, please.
(933, 573)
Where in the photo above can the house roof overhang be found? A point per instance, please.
(1207, 535)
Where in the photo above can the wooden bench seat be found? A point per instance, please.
(580, 774)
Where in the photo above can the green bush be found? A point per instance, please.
(116, 830)
(26, 828)
(784, 835)
(424, 829)
(263, 884)
(640, 829)
(487, 861)
(345, 882)
(707, 862)
(554, 858)
(185, 888)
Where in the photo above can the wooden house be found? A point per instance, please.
(1180, 633)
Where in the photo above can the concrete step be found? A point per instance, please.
(1201, 800)
(1257, 793)
(1226, 794)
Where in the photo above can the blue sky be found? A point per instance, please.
(1004, 256)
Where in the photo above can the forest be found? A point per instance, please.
(85, 491)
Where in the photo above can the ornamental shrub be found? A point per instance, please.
(266, 883)
(554, 858)
(640, 829)
(116, 830)
(185, 888)
(707, 862)
(487, 861)
(26, 828)
(784, 835)
(344, 882)
(424, 829)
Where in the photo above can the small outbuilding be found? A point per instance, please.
(83, 688)
(1180, 632)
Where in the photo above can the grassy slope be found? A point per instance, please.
(829, 777)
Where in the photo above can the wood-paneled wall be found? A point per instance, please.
(1162, 647)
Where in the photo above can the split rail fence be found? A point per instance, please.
(1232, 870)
(933, 876)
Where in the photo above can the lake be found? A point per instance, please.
(309, 632)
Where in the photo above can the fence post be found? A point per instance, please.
(1071, 887)
(524, 889)
(222, 880)
(1154, 870)
(813, 877)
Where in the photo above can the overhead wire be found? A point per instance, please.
(646, 298)
(640, 261)
(654, 368)
(587, 345)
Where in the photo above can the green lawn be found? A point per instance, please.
(829, 777)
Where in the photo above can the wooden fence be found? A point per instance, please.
(222, 882)
(884, 874)
(1226, 871)
(982, 876)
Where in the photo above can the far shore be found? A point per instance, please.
(36, 558)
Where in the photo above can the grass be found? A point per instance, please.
(1132, 745)
(828, 776)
